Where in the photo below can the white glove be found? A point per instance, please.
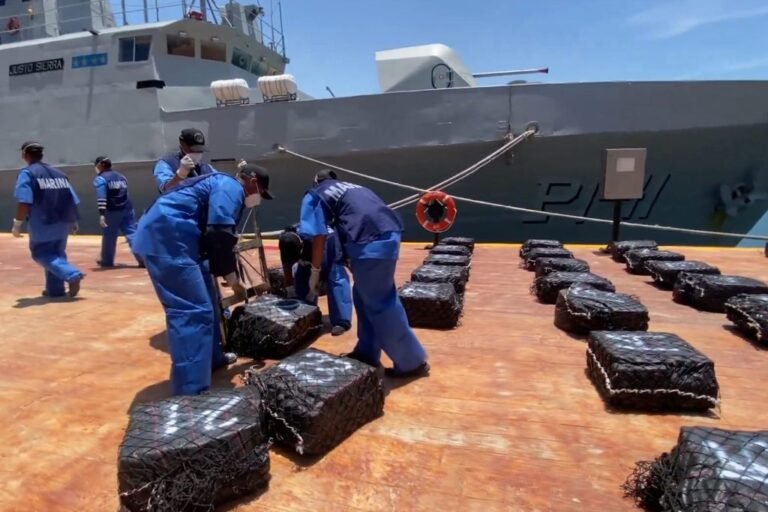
(102, 221)
(242, 163)
(75, 227)
(290, 292)
(185, 166)
(16, 230)
(314, 283)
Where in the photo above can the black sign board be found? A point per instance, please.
(40, 66)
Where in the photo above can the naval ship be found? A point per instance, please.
(85, 85)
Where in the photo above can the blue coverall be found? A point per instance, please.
(381, 320)
(334, 274)
(168, 239)
(47, 242)
(164, 173)
(118, 221)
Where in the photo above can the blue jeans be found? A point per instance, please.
(118, 221)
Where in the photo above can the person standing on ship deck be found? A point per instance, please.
(296, 258)
(370, 233)
(46, 198)
(172, 169)
(115, 210)
(185, 235)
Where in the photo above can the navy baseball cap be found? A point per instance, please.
(193, 138)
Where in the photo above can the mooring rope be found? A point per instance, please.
(519, 209)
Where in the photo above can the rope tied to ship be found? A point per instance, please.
(479, 165)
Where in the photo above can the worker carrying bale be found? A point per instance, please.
(370, 234)
(296, 258)
(45, 197)
(115, 210)
(186, 231)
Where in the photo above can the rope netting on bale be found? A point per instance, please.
(650, 371)
(534, 243)
(456, 276)
(637, 258)
(314, 400)
(580, 309)
(272, 328)
(710, 469)
(547, 287)
(448, 259)
(469, 243)
(190, 453)
(750, 314)
(709, 292)
(452, 250)
(431, 305)
(665, 273)
(545, 266)
(532, 256)
(618, 249)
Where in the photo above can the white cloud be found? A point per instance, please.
(677, 17)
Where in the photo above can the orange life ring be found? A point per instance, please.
(436, 211)
(13, 25)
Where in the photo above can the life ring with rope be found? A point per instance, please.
(13, 26)
(436, 211)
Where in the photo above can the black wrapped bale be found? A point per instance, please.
(431, 305)
(272, 328)
(709, 292)
(529, 263)
(469, 243)
(452, 250)
(457, 276)
(191, 453)
(710, 469)
(447, 259)
(665, 273)
(750, 314)
(532, 243)
(546, 266)
(637, 258)
(547, 287)
(581, 309)
(314, 400)
(650, 371)
(618, 249)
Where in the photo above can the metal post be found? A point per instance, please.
(125, 14)
(146, 12)
(203, 10)
(282, 34)
(616, 221)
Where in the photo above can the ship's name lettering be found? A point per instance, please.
(40, 66)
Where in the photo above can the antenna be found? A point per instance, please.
(510, 73)
(330, 91)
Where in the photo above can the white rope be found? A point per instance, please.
(751, 322)
(714, 401)
(524, 210)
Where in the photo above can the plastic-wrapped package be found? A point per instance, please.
(457, 276)
(709, 292)
(431, 305)
(581, 309)
(451, 250)
(532, 256)
(750, 314)
(469, 243)
(547, 287)
(533, 243)
(637, 258)
(546, 266)
(617, 249)
(665, 273)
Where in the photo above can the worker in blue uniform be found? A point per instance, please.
(184, 233)
(171, 169)
(45, 197)
(115, 210)
(296, 257)
(370, 235)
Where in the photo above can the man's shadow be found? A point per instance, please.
(26, 302)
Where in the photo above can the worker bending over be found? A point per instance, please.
(115, 210)
(170, 170)
(370, 235)
(296, 257)
(186, 231)
(45, 197)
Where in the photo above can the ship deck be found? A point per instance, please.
(506, 421)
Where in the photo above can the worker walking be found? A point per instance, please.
(296, 258)
(170, 170)
(186, 233)
(115, 210)
(45, 197)
(370, 235)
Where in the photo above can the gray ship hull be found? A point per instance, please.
(698, 136)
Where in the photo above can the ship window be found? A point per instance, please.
(181, 45)
(134, 49)
(257, 68)
(241, 59)
(213, 50)
(2, 3)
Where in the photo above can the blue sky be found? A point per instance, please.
(333, 42)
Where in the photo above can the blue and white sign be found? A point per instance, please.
(89, 61)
